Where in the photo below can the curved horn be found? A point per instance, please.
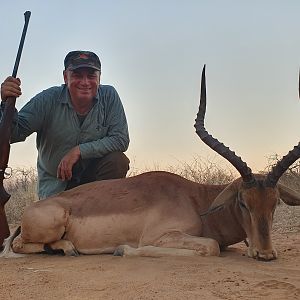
(282, 165)
(214, 144)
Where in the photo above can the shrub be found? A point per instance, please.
(22, 187)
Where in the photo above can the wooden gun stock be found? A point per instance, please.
(5, 133)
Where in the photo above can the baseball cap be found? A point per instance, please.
(82, 59)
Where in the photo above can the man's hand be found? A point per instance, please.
(64, 170)
(10, 88)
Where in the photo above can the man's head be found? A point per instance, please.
(82, 75)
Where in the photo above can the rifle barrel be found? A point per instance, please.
(27, 15)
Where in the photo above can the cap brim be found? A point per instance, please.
(71, 67)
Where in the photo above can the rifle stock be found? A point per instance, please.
(5, 133)
(4, 196)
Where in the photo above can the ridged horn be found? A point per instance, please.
(282, 165)
(214, 144)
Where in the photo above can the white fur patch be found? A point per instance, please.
(7, 251)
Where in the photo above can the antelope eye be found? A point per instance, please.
(242, 205)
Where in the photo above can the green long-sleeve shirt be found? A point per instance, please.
(51, 115)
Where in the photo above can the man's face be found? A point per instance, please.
(82, 83)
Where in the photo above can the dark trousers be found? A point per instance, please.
(112, 166)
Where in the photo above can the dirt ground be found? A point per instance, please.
(231, 276)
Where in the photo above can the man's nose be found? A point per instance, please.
(84, 80)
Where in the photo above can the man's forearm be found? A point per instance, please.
(101, 147)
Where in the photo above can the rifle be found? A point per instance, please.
(5, 134)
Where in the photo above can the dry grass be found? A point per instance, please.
(201, 170)
(22, 187)
(287, 218)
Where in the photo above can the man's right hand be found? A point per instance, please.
(10, 88)
(64, 170)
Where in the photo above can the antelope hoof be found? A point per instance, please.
(71, 252)
(123, 250)
(262, 255)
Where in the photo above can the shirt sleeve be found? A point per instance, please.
(29, 119)
(117, 137)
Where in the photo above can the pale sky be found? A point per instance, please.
(152, 52)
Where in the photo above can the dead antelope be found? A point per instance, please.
(160, 213)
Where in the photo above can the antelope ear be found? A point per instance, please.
(288, 196)
(228, 195)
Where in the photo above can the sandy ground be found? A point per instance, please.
(231, 276)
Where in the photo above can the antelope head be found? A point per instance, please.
(252, 197)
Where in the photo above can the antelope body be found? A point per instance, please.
(160, 213)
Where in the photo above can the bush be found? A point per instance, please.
(204, 171)
(198, 170)
(291, 177)
(22, 187)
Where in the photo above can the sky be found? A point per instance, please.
(152, 52)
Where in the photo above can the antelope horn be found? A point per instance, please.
(214, 144)
(282, 165)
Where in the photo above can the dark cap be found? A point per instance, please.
(82, 59)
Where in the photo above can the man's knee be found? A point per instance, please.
(112, 166)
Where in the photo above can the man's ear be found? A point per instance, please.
(65, 76)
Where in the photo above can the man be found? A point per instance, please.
(81, 127)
